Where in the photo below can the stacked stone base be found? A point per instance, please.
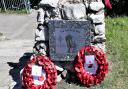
(70, 10)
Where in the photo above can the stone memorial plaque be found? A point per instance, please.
(67, 37)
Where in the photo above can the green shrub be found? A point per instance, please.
(119, 7)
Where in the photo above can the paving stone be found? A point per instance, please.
(4, 87)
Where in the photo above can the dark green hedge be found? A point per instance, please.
(120, 7)
(34, 2)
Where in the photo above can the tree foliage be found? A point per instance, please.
(119, 7)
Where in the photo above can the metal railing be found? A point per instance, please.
(15, 6)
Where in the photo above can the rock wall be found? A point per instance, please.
(92, 10)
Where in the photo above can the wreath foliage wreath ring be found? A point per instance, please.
(47, 66)
(85, 77)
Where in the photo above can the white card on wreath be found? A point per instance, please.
(90, 59)
(36, 70)
(37, 82)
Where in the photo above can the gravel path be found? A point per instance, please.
(16, 48)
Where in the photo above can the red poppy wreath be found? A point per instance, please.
(91, 65)
(39, 73)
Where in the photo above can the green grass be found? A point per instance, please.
(18, 11)
(117, 54)
(1, 34)
(117, 45)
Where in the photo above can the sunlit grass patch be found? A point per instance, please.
(117, 46)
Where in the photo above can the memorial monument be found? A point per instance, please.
(71, 33)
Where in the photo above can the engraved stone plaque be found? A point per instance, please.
(66, 37)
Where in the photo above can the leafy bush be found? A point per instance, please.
(119, 7)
